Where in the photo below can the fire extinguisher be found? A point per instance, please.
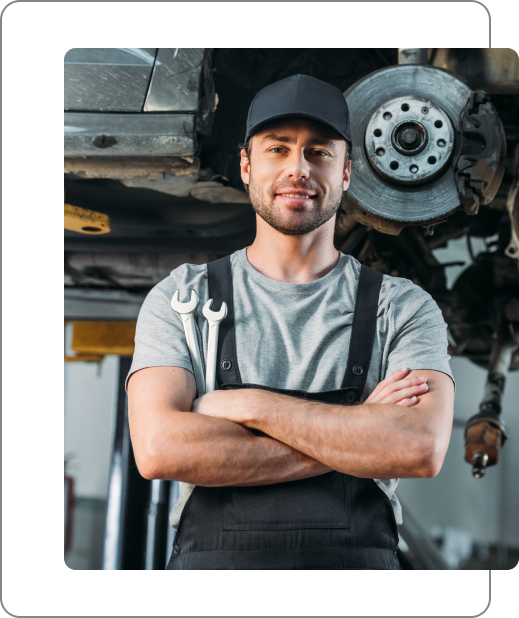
(69, 510)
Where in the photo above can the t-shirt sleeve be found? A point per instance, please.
(420, 340)
(160, 340)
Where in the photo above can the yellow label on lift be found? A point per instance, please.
(86, 221)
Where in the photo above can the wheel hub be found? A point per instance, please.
(409, 140)
(417, 192)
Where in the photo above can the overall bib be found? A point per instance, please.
(330, 521)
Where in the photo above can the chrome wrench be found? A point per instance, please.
(186, 310)
(186, 313)
(214, 318)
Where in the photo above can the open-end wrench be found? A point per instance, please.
(214, 318)
(186, 312)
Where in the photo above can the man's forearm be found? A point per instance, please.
(367, 441)
(376, 440)
(216, 452)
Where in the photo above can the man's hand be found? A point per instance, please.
(377, 440)
(399, 390)
(221, 404)
(396, 389)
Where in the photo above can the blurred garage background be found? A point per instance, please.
(472, 522)
(151, 182)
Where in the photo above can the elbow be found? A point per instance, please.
(431, 458)
(147, 460)
(431, 468)
(146, 467)
(147, 470)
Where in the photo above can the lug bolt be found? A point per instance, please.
(425, 110)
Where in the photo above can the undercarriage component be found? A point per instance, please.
(384, 197)
(494, 70)
(478, 164)
(512, 205)
(216, 193)
(127, 135)
(474, 309)
(175, 81)
(485, 432)
(179, 186)
(409, 140)
(410, 166)
(119, 168)
(412, 55)
(107, 79)
(344, 224)
(126, 271)
(137, 102)
(208, 191)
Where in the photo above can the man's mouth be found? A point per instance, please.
(297, 196)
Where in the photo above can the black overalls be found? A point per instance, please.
(330, 521)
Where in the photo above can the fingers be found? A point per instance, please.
(405, 393)
(394, 377)
(401, 385)
(398, 389)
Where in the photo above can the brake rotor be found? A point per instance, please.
(402, 129)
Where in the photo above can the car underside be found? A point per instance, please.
(152, 180)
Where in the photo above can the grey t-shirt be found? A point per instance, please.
(296, 336)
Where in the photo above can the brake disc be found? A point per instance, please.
(403, 122)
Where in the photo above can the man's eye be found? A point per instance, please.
(276, 149)
(320, 153)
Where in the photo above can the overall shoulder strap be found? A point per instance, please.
(219, 275)
(363, 329)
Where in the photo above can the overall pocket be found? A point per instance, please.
(317, 502)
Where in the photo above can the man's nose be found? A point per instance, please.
(297, 165)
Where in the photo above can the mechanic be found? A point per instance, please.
(333, 379)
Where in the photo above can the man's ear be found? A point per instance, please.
(346, 177)
(245, 167)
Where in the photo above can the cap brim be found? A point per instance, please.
(260, 124)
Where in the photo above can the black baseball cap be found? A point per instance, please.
(300, 96)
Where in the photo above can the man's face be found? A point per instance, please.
(296, 174)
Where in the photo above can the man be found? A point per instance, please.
(283, 456)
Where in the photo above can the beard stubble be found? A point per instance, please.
(321, 212)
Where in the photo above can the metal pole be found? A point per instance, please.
(128, 495)
(157, 521)
(412, 55)
(483, 446)
(118, 485)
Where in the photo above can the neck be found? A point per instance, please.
(293, 259)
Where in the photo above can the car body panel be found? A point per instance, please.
(108, 79)
(129, 134)
(175, 83)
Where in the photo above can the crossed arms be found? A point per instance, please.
(255, 437)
